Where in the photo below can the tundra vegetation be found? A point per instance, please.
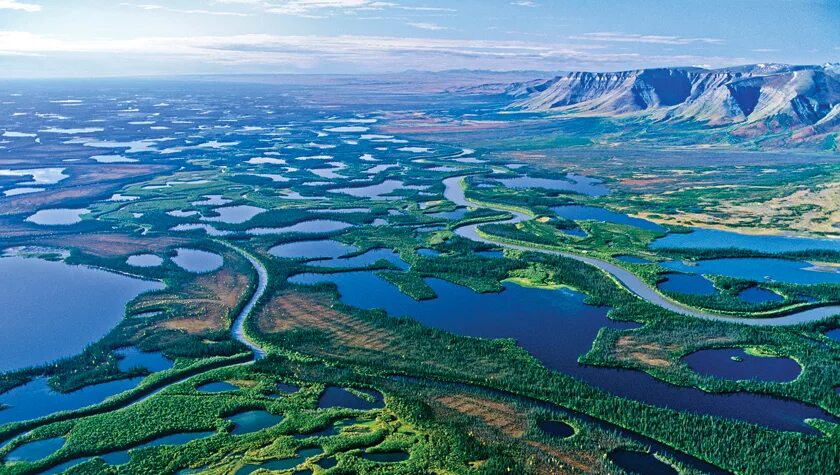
(449, 403)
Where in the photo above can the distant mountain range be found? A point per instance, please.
(800, 102)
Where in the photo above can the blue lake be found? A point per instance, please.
(450, 215)
(123, 456)
(735, 363)
(253, 421)
(51, 310)
(235, 214)
(758, 295)
(152, 361)
(144, 260)
(217, 387)
(311, 249)
(593, 213)
(574, 183)
(716, 239)
(281, 464)
(312, 226)
(36, 399)
(758, 269)
(556, 428)
(37, 450)
(374, 192)
(364, 260)
(557, 327)
(194, 260)
(339, 397)
(642, 463)
(687, 284)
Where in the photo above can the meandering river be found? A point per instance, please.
(454, 192)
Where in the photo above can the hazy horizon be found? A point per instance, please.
(88, 38)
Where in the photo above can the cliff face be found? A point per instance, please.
(767, 97)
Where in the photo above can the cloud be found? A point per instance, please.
(637, 38)
(427, 26)
(323, 53)
(151, 7)
(15, 5)
(524, 3)
(322, 8)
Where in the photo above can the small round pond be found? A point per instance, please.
(641, 463)
(738, 364)
(253, 421)
(144, 260)
(556, 428)
(196, 261)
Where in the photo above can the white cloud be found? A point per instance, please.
(637, 38)
(427, 26)
(15, 5)
(263, 52)
(151, 7)
(523, 3)
(321, 8)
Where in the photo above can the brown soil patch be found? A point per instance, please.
(28, 203)
(114, 245)
(559, 462)
(206, 304)
(507, 420)
(647, 353)
(290, 311)
(501, 416)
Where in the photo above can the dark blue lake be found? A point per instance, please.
(197, 261)
(32, 451)
(339, 397)
(758, 269)
(134, 358)
(574, 183)
(312, 249)
(217, 387)
(364, 260)
(253, 421)
(36, 399)
(735, 363)
(687, 284)
(716, 239)
(122, 457)
(593, 213)
(281, 464)
(641, 463)
(557, 327)
(556, 428)
(51, 310)
(758, 295)
(450, 215)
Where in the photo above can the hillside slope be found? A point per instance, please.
(801, 102)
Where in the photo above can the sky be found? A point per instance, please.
(87, 38)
